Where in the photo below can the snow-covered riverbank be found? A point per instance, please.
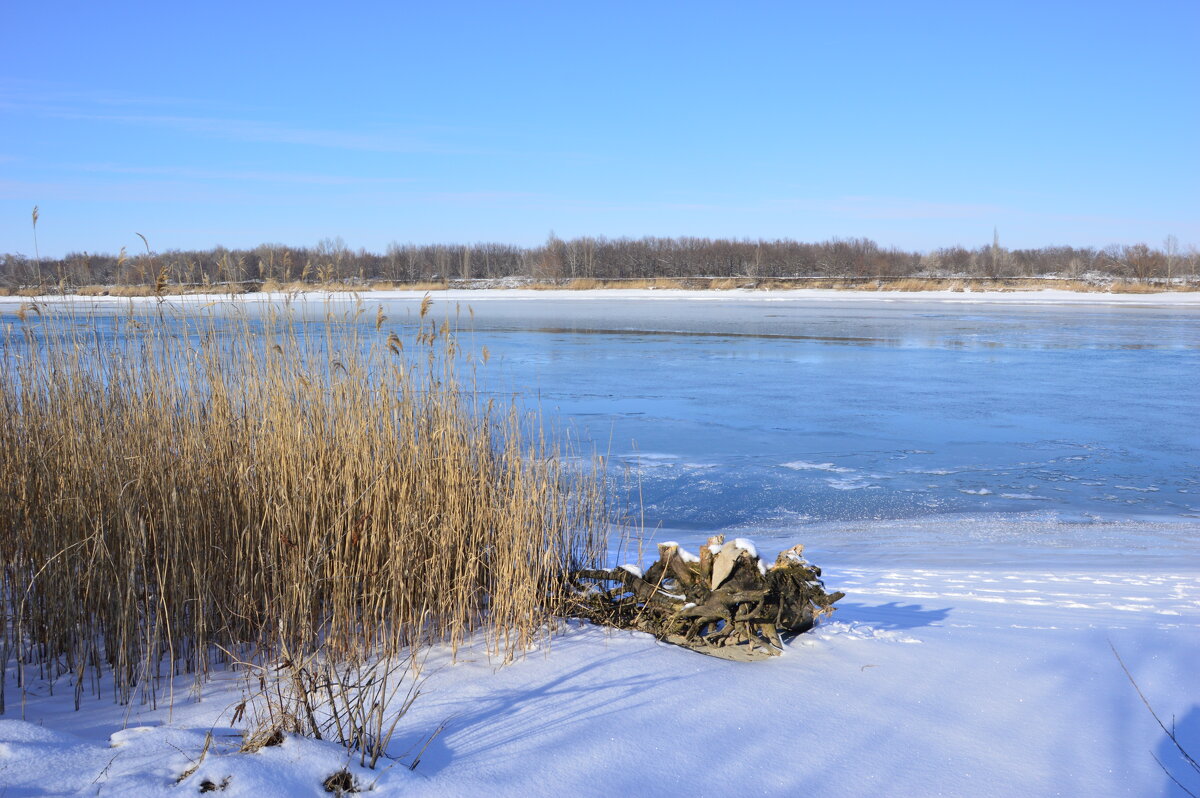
(1044, 297)
(927, 681)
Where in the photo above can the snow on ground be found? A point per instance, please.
(1046, 297)
(950, 681)
(1043, 297)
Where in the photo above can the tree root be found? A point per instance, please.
(724, 603)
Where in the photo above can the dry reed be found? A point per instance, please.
(177, 493)
(1128, 287)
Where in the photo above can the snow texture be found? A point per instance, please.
(926, 681)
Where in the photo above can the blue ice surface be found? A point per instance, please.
(1057, 428)
(735, 411)
(766, 416)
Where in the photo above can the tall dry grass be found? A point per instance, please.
(177, 492)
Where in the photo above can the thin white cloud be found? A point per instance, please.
(56, 102)
(16, 91)
(236, 175)
(483, 197)
(243, 130)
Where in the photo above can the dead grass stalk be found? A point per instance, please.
(180, 492)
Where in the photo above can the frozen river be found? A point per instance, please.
(1073, 422)
(751, 412)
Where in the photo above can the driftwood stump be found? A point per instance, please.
(724, 603)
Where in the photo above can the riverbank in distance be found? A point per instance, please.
(1017, 288)
(473, 293)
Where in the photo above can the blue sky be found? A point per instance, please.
(917, 124)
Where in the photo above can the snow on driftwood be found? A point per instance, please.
(725, 603)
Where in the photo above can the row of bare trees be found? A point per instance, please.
(331, 261)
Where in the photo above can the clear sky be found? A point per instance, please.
(917, 124)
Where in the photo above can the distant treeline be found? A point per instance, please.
(331, 261)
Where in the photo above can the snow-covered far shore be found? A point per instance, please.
(1181, 299)
(1048, 297)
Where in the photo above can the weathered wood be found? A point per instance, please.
(724, 603)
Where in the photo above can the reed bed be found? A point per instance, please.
(182, 493)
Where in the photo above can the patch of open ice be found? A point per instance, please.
(804, 465)
(850, 483)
